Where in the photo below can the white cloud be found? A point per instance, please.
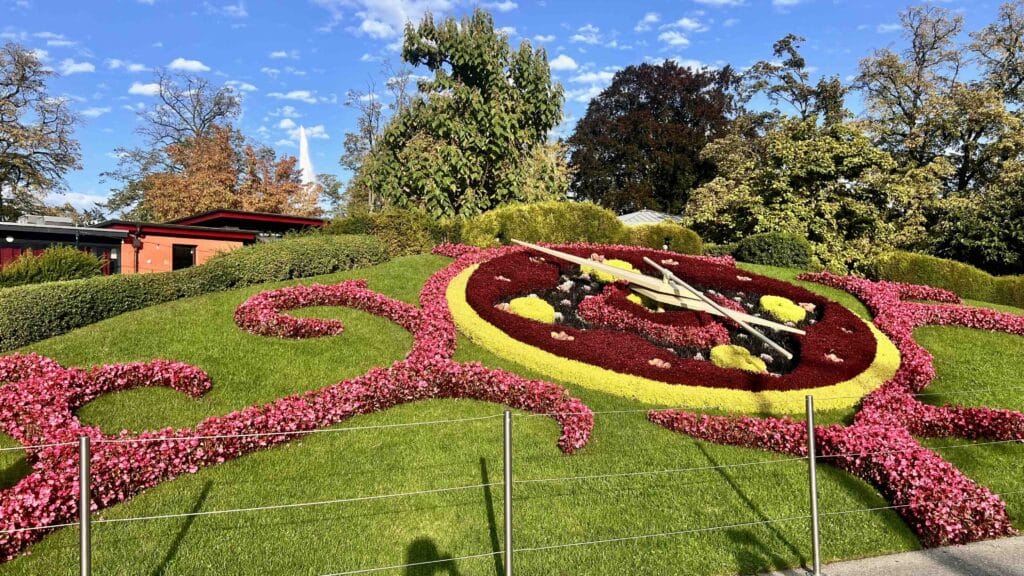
(380, 19)
(720, 2)
(140, 89)
(730, 22)
(506, 6)
(588, 34)
(186, 65)
(318, 132)
(286, 124)
(584, 95)
(785, 3)
(230, 10)
(41, 55)
(146, 2)
(691, 63)
(300, 95)
(507, 30)
(240, 86)
(61, 43)
(277, 54)
(272, 72)
(645, 23)
(285, 142)
(674, 38)
(688, 24)
(602, 77)
(118, 64)
(887, 28)
(69, 67)
(544, 38)
(563, 62)
(81, 200)
(94, 112)
(286, 112)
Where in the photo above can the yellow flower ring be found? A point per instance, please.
(841, 395)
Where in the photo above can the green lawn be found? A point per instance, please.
(248, 369)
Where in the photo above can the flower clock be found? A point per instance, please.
(574, 324)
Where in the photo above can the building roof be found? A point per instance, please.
(241, 218)
(182, 231)
(8, 228)
(648, 217)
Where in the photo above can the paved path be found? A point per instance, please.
(1003, 557)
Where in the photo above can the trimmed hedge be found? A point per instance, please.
(962, 279)
(680, 239)
(54, 264)
(403, 232)
(775, 249)
(555, 222)
(35, 312)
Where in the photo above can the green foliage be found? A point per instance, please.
(55, 263)
(467, 142)
(719, 249)
(775, 249)
(544, 222)
(782, 309)
(679, 239)
(533, 309)
(31, 313)
(963, 279)
(402, 232)
(737, 357)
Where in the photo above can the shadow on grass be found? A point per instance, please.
(173, 550)
(424, 552)
(13, 473)
(748, 538)
(492, 524)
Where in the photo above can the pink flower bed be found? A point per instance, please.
(39, 397)
(600, 311)
(938, 501)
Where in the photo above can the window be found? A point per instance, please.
(183, 256)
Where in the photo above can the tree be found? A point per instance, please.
(787, 79)
(639, 144)
(370, 124)
(190, 110)
(37, 146)
(999, 48)
(460, 147)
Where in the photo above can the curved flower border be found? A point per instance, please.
(938, 501)
(38, 401)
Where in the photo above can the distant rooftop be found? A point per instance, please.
(648, 217)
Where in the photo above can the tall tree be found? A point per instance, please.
(189, 110)
(999, 48)
(640, 143)
(461, 146)
(37, 146)
(787, 79)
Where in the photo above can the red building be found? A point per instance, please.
(137, 247)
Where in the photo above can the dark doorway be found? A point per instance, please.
(183, 256)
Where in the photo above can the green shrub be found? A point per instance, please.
(54, 264)
(31, 313)
(1008, 290)
(403, 232)
(556, 222)
(963, 279)
(775, 249)
(679, 239)
(719, 249)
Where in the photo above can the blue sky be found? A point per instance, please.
(294, 61)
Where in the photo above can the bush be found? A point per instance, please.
(962, 279)
(719, 249)
(55, 263)
(403, 232)
(31, 313)
(555, 222)
(775, 249)
(680, 239)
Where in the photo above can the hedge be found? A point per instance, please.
(556, 222)
(53, 264)
(963, 279)
(403, 232)
(34, 312)
(775, 249)
(679, 239)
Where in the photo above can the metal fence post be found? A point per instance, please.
(84, 505)
(812, 468)
(508, 492)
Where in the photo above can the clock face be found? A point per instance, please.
(549, 308)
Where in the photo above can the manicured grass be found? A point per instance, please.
(325, 539)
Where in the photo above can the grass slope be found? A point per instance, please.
(326, 539)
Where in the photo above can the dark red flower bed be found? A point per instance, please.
(518, 273)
